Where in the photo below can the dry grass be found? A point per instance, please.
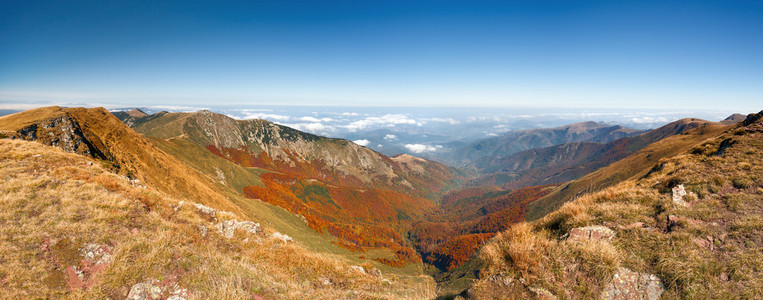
(53, 203)
(714, 249)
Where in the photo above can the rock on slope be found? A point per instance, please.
(704, 246)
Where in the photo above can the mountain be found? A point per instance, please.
(565, 162)
(733, 119)
(632, 166)
(72, 228)
(359, 196)
(514, 142)
(689, 227)
(98, 134)
(130, 117)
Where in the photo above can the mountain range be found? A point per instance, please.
(409, 218)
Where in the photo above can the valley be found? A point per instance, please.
(418, 222)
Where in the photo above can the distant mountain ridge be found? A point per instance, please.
(565, 162)
(518, 141)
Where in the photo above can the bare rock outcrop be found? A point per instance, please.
(229, 227)
(153, 289)
(627, 284)
(595, 232)
(678, 195)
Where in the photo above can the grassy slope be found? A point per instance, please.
(237, 177)
(129, 152)
(632, 166)
(54, 202)
(712, 251)
(186, 135)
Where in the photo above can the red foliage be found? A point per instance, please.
(451, 238)
(457, 250)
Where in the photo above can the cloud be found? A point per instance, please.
(269, 117)
(648, 120)
(315, 120)
(310, 127)
(420, 148)
(450, 121)
(363, 142)
(388, 120)
(390, 137)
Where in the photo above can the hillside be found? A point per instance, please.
(632, 166)
(565, 162)
(98, 134)
(363, 198)
(73, 229)
(690, 227)
(518, 141)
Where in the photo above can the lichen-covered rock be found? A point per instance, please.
(145, 290)
(282, 237)
(678, 195)
(627, 284)
(595, 232)
(95, 258)
(228, 228)
(358, 269)
(154, 289)
(206, 210)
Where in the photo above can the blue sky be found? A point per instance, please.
(598, 54)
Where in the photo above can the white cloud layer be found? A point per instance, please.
(421, 148)
(388, 120)
(363, 142)
(390, 137)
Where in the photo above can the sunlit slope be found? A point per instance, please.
(633, 166)
(73, 229)
(689, 228)
(365, 199)
(97, 133)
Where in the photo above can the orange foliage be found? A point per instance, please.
(457, 251)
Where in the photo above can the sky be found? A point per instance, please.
(562, 54)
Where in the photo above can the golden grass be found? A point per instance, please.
(714, 249)
(54, 199)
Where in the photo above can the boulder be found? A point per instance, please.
(155, 289)
(627, 284)
(228, 228)
(596, 232)
(678, 195)
(282, 237)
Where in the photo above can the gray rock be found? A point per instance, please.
(678, 195)
(228, 228)
(627, 284)
(145, 290)
(591, 233)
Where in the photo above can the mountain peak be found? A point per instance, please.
(136, 112)
(733, 119)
